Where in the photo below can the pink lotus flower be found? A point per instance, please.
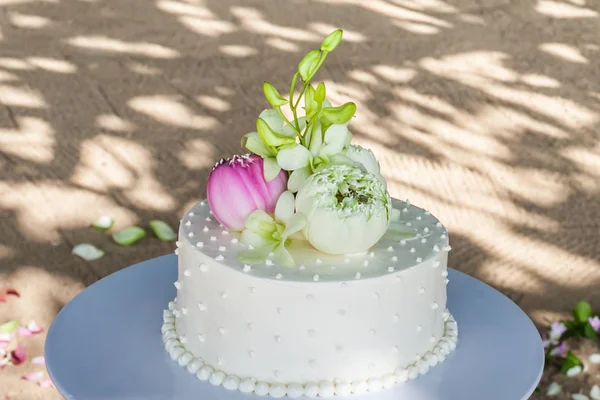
(237, 187)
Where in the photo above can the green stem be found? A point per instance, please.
(302, 93)
(293, 87)
(287, 120)
(295, 106)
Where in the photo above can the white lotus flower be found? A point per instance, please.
(366, 158)
(347, 209)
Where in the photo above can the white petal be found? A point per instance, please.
(271, 168)
(554, 389)
(256, 256)
(273, 119)
(289, 131)
(282, 256)
(255, 144)
(341, 159)
(293, 158)
(253, 239)
(284, 208)
(574, 371)
(297, 179)
(594, 358)
(365, 157)
(579, 396)
(595, 392)
(336, 137)
(87, 251)
(294, 224)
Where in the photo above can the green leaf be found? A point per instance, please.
(103, 223)
(273, 96)
(339, 115)
(332, 40)
(589, 332)
(570, 361)
(582, 311)
(9, 327)
(87, 251)
(129, 236)
(162, 230)
(270, 137)
(320, 93)
(308, 64)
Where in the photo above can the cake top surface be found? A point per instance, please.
(426, 236)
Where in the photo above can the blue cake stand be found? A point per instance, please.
(106, 344)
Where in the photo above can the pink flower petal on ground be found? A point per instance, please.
(23, 331)
(34, 376)
(18, 355)
(34, 327)
(46, 383)
(40, 360)
(5, 337)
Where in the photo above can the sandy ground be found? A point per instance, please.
(486, 112)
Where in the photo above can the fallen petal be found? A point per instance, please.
(23, 331)
(18, 355)
(554, 389)
(39, 360)
(87, 251)
(595, 392)
(595, 358)
(9, 327)
(103, 223)
(8, 291)
(34, 327)
(34, 376)
(579, 396)
(574, 371)
(46, 383)
(5, 337)
(128, 236)
(162, 230)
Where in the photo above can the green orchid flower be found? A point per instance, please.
(323, 150)
(272, 135)
(265, 234)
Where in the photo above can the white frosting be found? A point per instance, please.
(322, 389)
(332, 325)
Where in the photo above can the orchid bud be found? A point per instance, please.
(237, 187)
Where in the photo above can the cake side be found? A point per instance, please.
(363, 331)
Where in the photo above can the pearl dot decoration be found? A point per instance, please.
(204, 372)
(218, 242)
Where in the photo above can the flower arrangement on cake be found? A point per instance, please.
(304, 179)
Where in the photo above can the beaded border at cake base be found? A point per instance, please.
(205, 372)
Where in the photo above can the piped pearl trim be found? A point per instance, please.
(205, 372)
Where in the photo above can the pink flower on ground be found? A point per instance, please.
(18, 355)
(237, 187)
(595, 323)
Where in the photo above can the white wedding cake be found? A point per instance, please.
(299, 275)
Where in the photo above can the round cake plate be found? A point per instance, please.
(106, 344)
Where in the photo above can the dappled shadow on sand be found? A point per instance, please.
(486, 113)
